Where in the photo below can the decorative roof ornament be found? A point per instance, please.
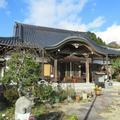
(76, 45)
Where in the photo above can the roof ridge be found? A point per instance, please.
(9, 37)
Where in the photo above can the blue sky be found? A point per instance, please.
(99, 16)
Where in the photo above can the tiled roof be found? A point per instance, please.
(44, 37)
(15, 41)
(9, 41)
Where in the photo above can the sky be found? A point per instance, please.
(99, 16)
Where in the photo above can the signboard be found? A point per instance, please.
(47, 70)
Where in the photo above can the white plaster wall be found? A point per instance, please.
(77, 86)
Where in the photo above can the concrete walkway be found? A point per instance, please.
(99, 105)
(97, 109)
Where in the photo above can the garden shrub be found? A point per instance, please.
(38, 109)
(63, 95)
(116, 67)
(3, 102)
(43, 92)
(2, 106)
(58, 94)
(11, 95)
(118, 78)
(71, 92)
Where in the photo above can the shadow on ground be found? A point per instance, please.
(87, 115)
(51, 116)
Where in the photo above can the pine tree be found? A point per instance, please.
(22, 67)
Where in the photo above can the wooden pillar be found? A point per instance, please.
(70, 69)
(79, 70)
(87, 69)
(55, 69)
(107, 65)
(92, 73)
(42, 64)
(66, 69)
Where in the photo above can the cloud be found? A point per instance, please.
(96, 23)
(112, 33)
(60, 14)
(3, 3)
(50, 12)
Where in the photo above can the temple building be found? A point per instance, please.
(65, 55)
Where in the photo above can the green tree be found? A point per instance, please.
(116, 65)
(22, 67)
(93, 37)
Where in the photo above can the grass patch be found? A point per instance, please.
(9, 112)
(39, 109)
(70, 117)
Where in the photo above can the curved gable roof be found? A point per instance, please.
(47, 38)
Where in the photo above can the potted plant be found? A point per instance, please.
(98, 90)
(77, 97)
(84, 95)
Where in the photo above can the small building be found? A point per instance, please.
(65, 55)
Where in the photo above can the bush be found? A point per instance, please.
(43, 92)
(3, 102)
(11, 95)
(63, 95)
(71, 92)
(2, 106)
(118, 78)
(38, 109)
